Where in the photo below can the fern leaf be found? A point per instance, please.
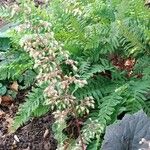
(95, 126)
(35, 98)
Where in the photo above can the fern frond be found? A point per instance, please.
(4, 11)
(96, 68)
(97, 121)
(13, 66)
(33, 102)
(84, 67)
(132, 105)
(139, 89)
(94, 88)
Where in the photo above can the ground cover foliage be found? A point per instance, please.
(91, 60)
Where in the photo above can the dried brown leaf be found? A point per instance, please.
(6, 100)
(46, 133)
(2, 113)
(14, 86)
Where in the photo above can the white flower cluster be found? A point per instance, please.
(44, 49)
(22, 27)
(48, 56)
(93, 128)
(86, 103)
(15, 9)
(72, 7)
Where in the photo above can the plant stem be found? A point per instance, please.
(78, 127)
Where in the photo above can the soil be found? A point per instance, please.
(35, 135)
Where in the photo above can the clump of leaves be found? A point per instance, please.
(15, 64)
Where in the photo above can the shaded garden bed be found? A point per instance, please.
(35, 135)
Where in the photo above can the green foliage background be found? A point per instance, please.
(92, 31)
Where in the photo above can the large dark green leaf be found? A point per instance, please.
(3, 89)
(4, 37)
(4, 43)
(131, 133)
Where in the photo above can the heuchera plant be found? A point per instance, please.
(131, 133)
(49, 58)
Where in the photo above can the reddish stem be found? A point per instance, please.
(78, 128)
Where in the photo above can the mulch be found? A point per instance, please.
(34, 135)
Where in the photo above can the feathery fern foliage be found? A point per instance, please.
(108, 44)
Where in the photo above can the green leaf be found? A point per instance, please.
(3, 89)
(4, 43)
